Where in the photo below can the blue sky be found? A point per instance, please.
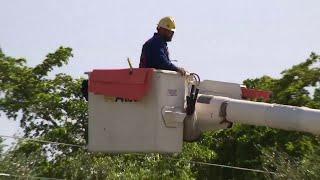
(219, 40)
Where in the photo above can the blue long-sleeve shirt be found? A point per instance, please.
(155, 54)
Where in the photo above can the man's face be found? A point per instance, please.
(167, 34)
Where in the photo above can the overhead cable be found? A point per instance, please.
(177, 159)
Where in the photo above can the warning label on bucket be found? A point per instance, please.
(172, 92)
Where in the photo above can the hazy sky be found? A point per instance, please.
(220, 40)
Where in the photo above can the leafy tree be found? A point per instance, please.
(1, 146)
(293, 88)
(288, 167)
(246, 146)
(53, 109)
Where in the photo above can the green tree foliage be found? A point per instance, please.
(251, 147)
(291, 153)
(288, 167)
(292, 87)
(1, 146)
(51, 108)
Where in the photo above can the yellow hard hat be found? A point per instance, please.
(167, 23)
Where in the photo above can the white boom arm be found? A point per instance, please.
(217, 110)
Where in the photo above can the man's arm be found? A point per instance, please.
(161, 60)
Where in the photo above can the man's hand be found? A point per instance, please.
(181, 71)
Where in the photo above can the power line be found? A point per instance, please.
(225, 166)
(42, 141)
(31, 177)
(190, 161)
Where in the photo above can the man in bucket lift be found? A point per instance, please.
(155, 51)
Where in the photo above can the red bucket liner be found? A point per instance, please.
(121, 83)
